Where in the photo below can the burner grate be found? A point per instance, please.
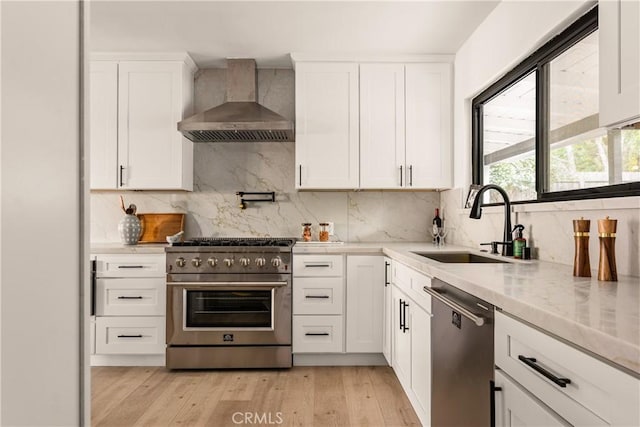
(241, 241)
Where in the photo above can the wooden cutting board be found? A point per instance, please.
(157, 226)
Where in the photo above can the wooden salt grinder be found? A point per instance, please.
(581, 266)
(607, 234)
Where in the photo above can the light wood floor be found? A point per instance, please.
(301, 396)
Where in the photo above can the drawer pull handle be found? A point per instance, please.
(129, 336)
(531, 362)
(131, 266)
(317, 334)
(127, 297)
(317, 265)
(317, 296)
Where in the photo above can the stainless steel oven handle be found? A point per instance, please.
(479, 321)
(226, 284)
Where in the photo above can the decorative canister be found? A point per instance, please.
(130, 229)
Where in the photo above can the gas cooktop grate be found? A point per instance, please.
(235, 241)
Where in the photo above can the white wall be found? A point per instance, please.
(513, 31)
(40, 214)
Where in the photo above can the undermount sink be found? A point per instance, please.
(459, 258)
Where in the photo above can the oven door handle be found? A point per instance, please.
(227, 284)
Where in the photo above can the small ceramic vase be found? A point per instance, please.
(130, 229)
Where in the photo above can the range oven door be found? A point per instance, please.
(231, 310)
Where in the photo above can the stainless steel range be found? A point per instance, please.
(229, 303)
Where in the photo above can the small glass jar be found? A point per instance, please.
(306, 231)
(323, 234)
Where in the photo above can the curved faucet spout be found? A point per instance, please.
(476, 213)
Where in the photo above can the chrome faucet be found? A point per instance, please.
(476, 213)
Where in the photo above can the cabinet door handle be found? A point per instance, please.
(386, 273)
(317, 334)
(128, 297)
(121, 179)
(492, 401)
(131, 266)
(300, 175)
(129, 336)
(400, 175)
(410, 175)
(531, 362)
(309, 265)
(317, 296)
(404, 315)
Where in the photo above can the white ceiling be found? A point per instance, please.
(268, 31)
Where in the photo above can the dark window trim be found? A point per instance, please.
(538, 62)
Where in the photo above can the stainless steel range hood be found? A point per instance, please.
(241, 118)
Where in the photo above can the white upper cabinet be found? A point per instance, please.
(136, 145)
(428, 125)
(382, 147)
(327, 125)
(405, 126)
(373, 125)
(103, 125)
(619, 28)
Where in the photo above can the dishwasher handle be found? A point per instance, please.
(478, 320)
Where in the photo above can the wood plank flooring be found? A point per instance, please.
(301, 396)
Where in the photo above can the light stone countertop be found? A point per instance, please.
(601, 317)
(119, 248)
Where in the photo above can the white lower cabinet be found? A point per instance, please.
(516, 407)
(130, 305)
(401, 338)
(317, 334)
(411, 343)
(421, 357)
(387, 333)
(365, 308)
(575, 387)
(318, 304)
(130, 335)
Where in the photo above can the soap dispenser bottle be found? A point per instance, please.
(519, 243)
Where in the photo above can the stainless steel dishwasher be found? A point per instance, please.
(461, 357)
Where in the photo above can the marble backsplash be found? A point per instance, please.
(220, 170)
(549, 228)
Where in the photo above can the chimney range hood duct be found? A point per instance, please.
(241, 118)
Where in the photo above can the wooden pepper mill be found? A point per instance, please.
(581, 266)
(607, 234)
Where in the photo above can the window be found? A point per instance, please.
(536, 131)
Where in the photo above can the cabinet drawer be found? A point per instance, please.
(412, 283)
(324, 295)
(135, 265)
(130, 335)
(318, 265)
(132, 297)
(317, 334)
(598, 394)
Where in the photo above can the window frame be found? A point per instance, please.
(539, 62)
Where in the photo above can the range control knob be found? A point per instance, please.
(228, 262)
(180, 262)
(276, 261)
(196, 262)
(260, 262)
(212, 261)
(245, 262)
